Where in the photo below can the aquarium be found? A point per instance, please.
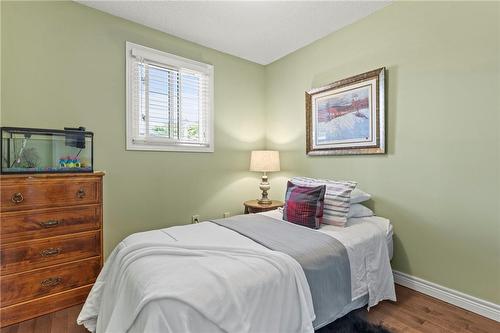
(34, 150)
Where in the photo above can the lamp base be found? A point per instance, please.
(264, 201)
(264, 186)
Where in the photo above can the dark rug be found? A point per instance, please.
(352, 323)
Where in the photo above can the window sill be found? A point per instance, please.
(173, 148)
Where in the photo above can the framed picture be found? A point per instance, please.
(347, 116)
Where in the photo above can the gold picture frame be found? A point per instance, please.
(347, 117)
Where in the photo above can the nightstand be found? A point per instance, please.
(252, 206)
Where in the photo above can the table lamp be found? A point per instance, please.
(265, 161)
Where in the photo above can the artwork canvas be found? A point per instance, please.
(347, 116)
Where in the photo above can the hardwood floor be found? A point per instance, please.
(414, 312)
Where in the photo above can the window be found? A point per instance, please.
(169, 102)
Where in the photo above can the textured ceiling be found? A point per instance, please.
(259, 31)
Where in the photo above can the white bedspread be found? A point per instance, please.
(185, 282)
(366, 242)
(366, 245)
(198, 278)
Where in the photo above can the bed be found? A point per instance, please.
(207, 277)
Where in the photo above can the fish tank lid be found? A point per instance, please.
(93, 173)
(22, 130)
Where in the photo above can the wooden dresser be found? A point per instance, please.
(51, 242)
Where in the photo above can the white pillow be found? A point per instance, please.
(358, 210)
(337, 196)
(358, 196)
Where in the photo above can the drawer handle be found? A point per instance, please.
(50, 224)
(54, 251)
(80, 193)
(17, 197)
(51, 282)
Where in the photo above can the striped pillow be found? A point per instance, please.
(337, 197)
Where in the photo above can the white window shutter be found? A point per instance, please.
(169, 102)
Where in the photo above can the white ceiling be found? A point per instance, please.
(259, 31)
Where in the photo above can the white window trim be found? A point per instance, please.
(174, 60)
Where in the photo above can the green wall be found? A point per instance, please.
(439, 183)
(63, 64)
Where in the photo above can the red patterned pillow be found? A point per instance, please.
(304, 205)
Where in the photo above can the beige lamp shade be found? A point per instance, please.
(265, 161)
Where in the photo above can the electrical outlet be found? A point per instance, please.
(226, 214)
(195, 219)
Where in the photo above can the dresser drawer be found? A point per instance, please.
(21, 287)
(19, 312)
(23, 256)
(32, 193)
(42, 223)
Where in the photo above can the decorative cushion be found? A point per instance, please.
(304, 205)
(337, 198)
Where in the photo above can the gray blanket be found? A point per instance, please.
(323, 259)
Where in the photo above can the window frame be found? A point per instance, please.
(171, 60)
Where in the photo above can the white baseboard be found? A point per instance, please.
(464, 301)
